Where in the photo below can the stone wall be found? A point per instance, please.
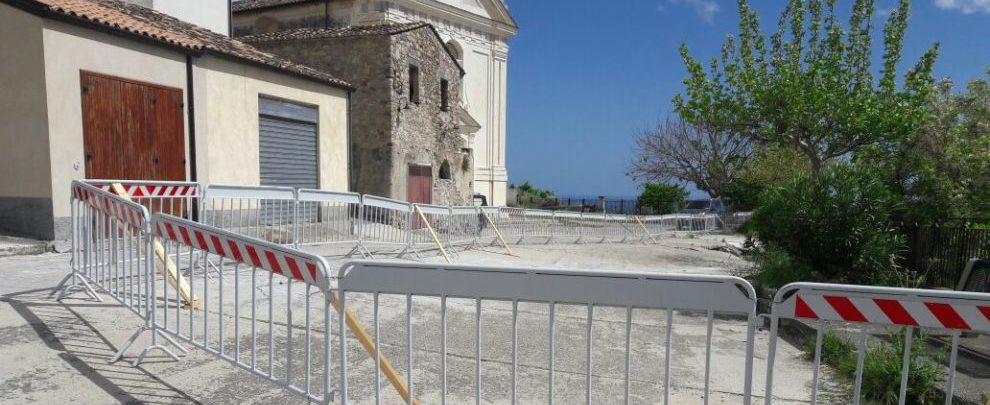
(388, 131)
(423, 132)
(364, 62)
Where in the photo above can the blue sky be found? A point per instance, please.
(585, 76)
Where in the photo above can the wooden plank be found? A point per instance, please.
(368, 343)
(644, 229)
(436, 239)
(498, 234)
(172, 272)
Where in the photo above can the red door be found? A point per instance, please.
(420, 189)
(132, 130)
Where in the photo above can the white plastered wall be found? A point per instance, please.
(227, 127)
(70, 49)
(24, 154)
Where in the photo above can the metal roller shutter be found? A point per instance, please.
(288, 146)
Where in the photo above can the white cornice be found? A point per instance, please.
(503, 26)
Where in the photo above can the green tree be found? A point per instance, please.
(943, 169)
(661, 197)
(769, 167)
(810, 86)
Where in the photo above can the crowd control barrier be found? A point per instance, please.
(267, 213)
(329, 218)
(269, 307)
(268, 313)
(589, 290)
(877, 309)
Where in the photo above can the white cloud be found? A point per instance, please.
(705, 9)
(965, 6)
(884, 12)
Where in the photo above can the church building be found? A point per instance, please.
(475, 33)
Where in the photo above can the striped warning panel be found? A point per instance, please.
(892, 306)
(127, 212)
(277, 259)
(137, 190)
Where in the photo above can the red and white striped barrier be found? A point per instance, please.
(887, 306)
(130, 213)
(265, 255)
(906, 309)
(142, 189)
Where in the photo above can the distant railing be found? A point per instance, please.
(939, 253)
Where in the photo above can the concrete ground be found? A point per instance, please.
(15, 246)
(59, 352)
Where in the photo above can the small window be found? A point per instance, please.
(414, 84)
(445, 170)
(444, 95)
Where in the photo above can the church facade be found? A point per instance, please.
(476, 32)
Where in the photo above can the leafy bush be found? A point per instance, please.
(664, 198)
(882, 372)
(882, 367)
(776, 268)
(835, 226)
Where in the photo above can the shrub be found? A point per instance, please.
(882, 367)
(835, 226)
(661, 197)
(882, 371)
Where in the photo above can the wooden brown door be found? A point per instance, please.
(420, 189)
(132, 130)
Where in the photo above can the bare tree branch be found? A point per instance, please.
(678, 151)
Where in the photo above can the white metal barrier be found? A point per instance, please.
(179, 198)
(245, 316)
(884, 308)
(267, 213)
(588, 290)
(113, 251)
(329, 217)
(385, 223)
(466, 226)
(269, 312)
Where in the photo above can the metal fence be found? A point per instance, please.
(365, 286)
(269, 311)
(939, 253)
(882, 310)
(266, 306)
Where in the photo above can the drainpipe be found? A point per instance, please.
(230, 18)
(350, 163)
(191, 119)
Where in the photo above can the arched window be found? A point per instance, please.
(445, 170)
(456, 50)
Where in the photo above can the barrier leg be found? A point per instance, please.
(134, 337)
(64, 287)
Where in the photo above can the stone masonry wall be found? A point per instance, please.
(388, 131)
(364, 62)
(423, 132)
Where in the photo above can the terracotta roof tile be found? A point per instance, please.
(160, 27)
(337, 32)
(248, 5)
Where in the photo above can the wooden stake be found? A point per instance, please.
(498, 234)
(644, 229)
(174, 278)
(368, 343)
(434, 234)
